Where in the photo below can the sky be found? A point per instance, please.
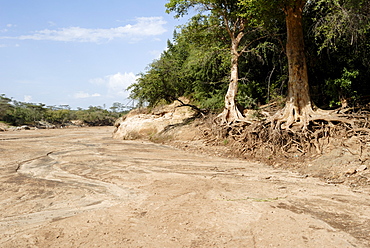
(79, 53)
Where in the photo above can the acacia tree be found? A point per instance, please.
(227, 15)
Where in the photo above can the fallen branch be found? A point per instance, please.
(191, 106)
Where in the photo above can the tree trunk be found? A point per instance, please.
(231, 111)
(298, 106)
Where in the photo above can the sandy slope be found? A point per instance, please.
(80, 188)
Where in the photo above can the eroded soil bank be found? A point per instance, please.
(80, 188)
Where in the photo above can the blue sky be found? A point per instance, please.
(79, 52)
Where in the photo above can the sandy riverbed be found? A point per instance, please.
(80, 188)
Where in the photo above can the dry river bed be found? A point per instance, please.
(80, 188)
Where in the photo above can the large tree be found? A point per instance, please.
(298, 106)
(240, 28)
(299, 110)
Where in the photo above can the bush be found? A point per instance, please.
(20, 113)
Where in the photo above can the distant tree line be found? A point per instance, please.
(18, 113)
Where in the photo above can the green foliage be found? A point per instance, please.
(96, 116)
(164, 78)
(338, 20)
(20, 113)
(263, 13)
(58, 116)
(5, 106)
(213, 101)
(340, 89)
(246, 91)
(344, 46)
(196, 63)
(24, 113)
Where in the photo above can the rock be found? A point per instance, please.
(24, 127)
(137, 125)
(117, 123)
(45, 125)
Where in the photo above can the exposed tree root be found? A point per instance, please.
(291, 118)
(231, 115)
(286, 136)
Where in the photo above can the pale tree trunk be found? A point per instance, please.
(298, 108)
(231, 112)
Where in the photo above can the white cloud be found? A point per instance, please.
(81, 94)
(117, 83)
(144, 26)
(6, 29)
(27, 98)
